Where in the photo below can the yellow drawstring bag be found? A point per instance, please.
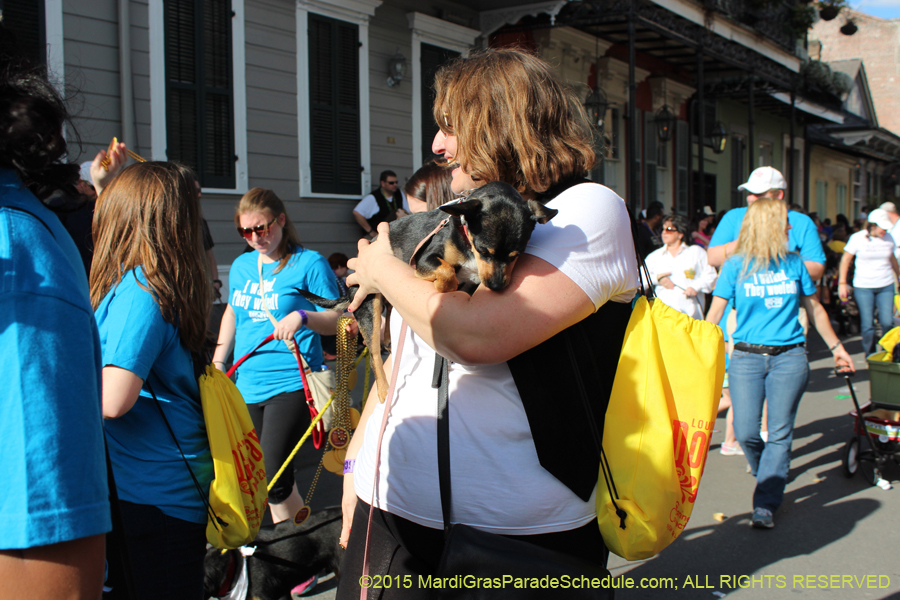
(238, 493)
(658, 425)
(889, 341)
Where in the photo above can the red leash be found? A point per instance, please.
(319, 431)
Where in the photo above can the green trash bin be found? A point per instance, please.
(884, 381)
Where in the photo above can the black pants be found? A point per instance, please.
(400, 547)
(280, 422)
(166, 553)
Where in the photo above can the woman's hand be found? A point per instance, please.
(366, 263)
(666, 282)
(842, 358)
(690, 292)
(102, 176)
(843, 291)
(288, 327)
(348, 506)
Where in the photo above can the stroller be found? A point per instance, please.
(844, 312)
(876, 425)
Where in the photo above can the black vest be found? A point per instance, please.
(560, 405)
(387, 209)
(555, 397)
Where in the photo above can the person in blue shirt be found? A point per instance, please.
(766, 182)
(270, 380)
(54, 509)
(151, 297)
(768, 283)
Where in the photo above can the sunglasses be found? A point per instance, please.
(669, 229)
(394, 182)
(260, 230)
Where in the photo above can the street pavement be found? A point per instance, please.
(833, 536)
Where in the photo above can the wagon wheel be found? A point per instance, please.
(850, 460)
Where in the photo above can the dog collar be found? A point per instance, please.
(464, 231)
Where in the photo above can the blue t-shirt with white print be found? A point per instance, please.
(273, 370)
(767, 301)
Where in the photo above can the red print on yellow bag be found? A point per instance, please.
(657, 428)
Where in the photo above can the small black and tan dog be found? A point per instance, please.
(285, 555)
(484, 235)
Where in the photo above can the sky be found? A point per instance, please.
(886, 9)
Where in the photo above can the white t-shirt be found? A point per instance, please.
(368, 206)
(895, 233)
(688, 269)
(872, 268)
(498, 483)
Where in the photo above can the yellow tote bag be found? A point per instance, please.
(658, 425)
(238, 493)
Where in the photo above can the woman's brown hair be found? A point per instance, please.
(513, 119)
(149, 216)
(265, 201)
(431, 184)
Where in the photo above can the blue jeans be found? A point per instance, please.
(868, 299)
(753, 379)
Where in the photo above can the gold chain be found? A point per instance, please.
(346, 354)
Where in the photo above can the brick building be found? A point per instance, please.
(877, 43)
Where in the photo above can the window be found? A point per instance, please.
(765, 154)
(199, 89)
(335, 163)
(841, 193)
(738, 169)
(682, 164)
(432, 58)
(821, 198)
(651, 155)
(25, 19)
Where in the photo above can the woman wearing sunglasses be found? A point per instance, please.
(151, 299)
(679, 269)
(270, 380)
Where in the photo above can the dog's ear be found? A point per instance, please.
(541, 213)
(462, 209)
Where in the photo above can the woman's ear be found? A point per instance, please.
(282, 219)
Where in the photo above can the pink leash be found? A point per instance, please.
(319, 431)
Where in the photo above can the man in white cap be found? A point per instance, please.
(891, 209)
(803, 238)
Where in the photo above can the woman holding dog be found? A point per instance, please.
(150, 295)
(769, 363)
(270, 380)
(503, 116)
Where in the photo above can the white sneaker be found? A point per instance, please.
(765, 436)
(731, 450)
(762, 518)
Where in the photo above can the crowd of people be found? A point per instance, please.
(106, 352)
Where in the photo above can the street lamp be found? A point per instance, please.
(396, 69)
(596, 105)
(665, 121)
(718, 136)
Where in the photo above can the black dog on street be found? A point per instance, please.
(484, 235)
(285, 556)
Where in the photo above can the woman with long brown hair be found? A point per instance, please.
(151, 298)
(769, 363)
(270, 380)
(503, 116)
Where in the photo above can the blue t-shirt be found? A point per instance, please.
(767, 301)
(53, 468)
(273, 369)
(803, 236)
(146, 462)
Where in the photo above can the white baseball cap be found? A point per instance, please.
(879, 217)
(889, 207)
(86, 172)
(764, 179)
